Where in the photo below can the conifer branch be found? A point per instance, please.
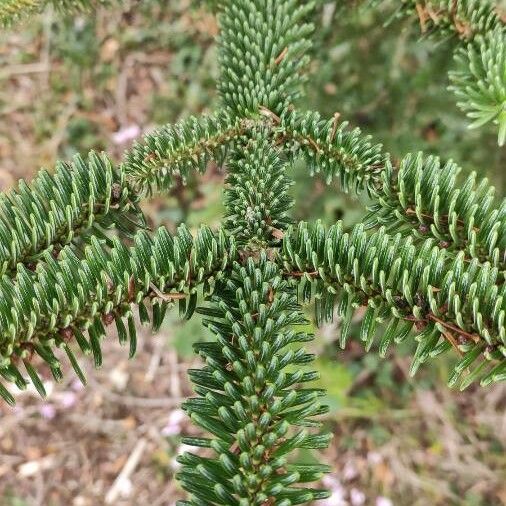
(263, 45)
(177, 150)
(256, 195)
(426, 198)
(464, 19)
(421, 197)
(250, 396)
(480, 80)
(444, 281)
(81, 199)
(329, 147)
(410, 287)
(52, 307)
(12, 11)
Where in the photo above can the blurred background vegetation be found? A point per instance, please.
(97, 82)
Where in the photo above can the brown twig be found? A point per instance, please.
(335, 122)
(297, 274)
(281, 56)
(449, 337)
(264, 111)
(168, 297)
(474, 337)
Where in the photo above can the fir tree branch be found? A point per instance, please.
(82, 198)
(248, 398)
(256, 196)
(426, 198)
(480, 81)
(446, 301)
(12, 11)
(52, 307)
(178, 149)
(328, 146)
(464, 19)
(263, 45)
(448, 288)
(85, 198)
(421, 197)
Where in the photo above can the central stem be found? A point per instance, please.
(256, 197)
(250, 395)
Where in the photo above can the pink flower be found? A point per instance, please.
(47, 411)
(68, 399)
(357, 497)
(337, 492)
(349, 472)
(173, 427)
(126, 134)
(374, 458)
(383, 501)
(76, 385)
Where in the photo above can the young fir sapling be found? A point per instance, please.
(429, 260)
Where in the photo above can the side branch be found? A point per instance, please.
(480, 80)
(464, 19)
(12, 11)
(53, 307)
(422, 197)
(449, 304)
(330, 147)
(426, 198)
(81, 199)
(176, 150)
